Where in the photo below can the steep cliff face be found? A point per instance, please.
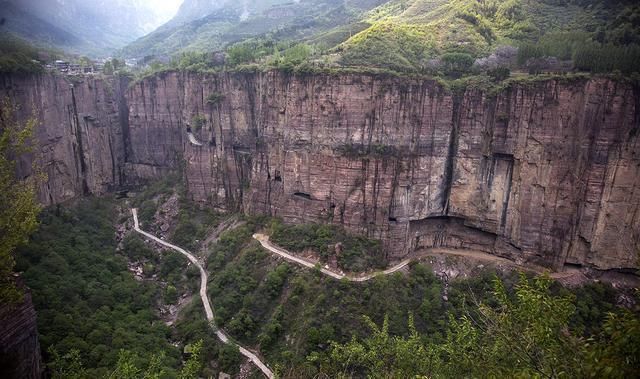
(81, 142)
(547, 171)
(19, 347)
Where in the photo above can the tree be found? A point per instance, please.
(108, 68)
(456, 64)
(111, 67)
(382, 355)
(524, 334)
(18, 205)
(126, 367)
(615, 353)
(192, 367)
(68, 366)
(240, 53)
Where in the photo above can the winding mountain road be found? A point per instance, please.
(264, 241)
(222, 336)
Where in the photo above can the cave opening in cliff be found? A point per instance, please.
(303, 195)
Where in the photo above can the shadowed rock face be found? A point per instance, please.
(546, 172)
(80, 134)
(19, 346)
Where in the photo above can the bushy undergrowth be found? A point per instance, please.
(18, 56)
(354, 253)
(295, 314)
(193, 221)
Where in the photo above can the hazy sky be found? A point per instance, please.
(165, 8)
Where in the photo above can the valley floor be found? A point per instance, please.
(222, 336)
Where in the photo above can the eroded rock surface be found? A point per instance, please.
(545, 172)
(19, 346)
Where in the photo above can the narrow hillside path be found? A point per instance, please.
(264, 241)
(222, 336)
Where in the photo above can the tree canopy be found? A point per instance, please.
(18, 205)
(522, 335)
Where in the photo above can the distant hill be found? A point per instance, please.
(426, 36)
(211, 25)
(407, 34)
(84, 27)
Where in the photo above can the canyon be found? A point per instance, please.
(541, 171)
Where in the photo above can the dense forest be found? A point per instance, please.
(97, 319)
(92, 312)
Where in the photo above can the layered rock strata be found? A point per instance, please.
(545, 171)
(19, 346)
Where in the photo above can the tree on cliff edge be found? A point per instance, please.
(18, 205)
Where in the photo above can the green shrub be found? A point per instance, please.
(192, 61)
(241, 53)
(197, 122)
(170, 294)
(296, 54)
(215, 98)
(357, 253)
(499, 74)
(147, 212)
(456, 64)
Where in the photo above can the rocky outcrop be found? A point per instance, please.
(544, 171)
(80, 133)
(19, 346)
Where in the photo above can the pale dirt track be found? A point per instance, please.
(478, 255)
(222, 336)
(264, 241)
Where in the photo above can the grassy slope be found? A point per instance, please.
(405, 33)
(281, 20)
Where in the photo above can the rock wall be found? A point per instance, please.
(545, 172)
(19, 347)
(80, 133)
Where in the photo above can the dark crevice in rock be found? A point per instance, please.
(452, 150)
(78, 134)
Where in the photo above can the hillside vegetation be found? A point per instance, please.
(404, 325)
(233, 22)
(416, 35)
(491, 40)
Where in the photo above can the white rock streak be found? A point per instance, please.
(193, 139)
(222, 336)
